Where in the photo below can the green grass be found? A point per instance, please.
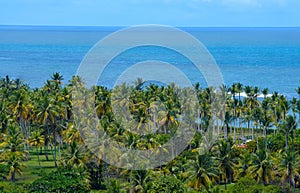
(31, 169)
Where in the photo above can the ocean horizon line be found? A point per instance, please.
(126, 26)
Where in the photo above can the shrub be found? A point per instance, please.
(9, 187)
(246, 185)
(272, 189)
(62, 180)
(167, 184)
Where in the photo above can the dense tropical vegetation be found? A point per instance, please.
(257, 149)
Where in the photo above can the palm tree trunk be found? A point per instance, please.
(13, 177)
(38, 154)
(286, 141)
(54, 152)
(46, 152)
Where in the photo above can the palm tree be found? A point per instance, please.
(298, 91)
(265, 92)
(239, 89)
(139, 180)
(12, 141)
(266, 118)
(289, 166)
(227, 120)
(76, 156)
(37, 140)
(225, 154)
(21, 109)
(47, 114)
(56, 78)
(298, 109)
(261, 166)
(288, 128)
(243, 164)
(203, 171)
(13, 160)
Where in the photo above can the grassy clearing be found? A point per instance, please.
(31, 169)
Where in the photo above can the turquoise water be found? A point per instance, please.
(264, 57)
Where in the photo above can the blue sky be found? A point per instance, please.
(137, 12)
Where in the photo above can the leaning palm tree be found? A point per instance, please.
(203, 171)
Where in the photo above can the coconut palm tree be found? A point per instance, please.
(289, 166)
(76, 156)
(13, 141)
(225, 152)
(47, 113)
(14, 161)
(21, 108)
(239, 89)
(265, 92)
(266, 118)
(288, 128)
(139, 180)
(36, 139)
(243, 164)
(261, 166)
(203, 171)
(298, 91)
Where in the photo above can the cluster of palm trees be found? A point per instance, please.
(43, 120)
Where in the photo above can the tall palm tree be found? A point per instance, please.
(36, 139)
(47, 114)
(239, 89)
(288, 128)
(21, 109)
(227, 160)
(266, 118)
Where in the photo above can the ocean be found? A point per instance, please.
(264, 57)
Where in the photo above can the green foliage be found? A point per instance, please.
(61, 180)
(43, 118)
(113, 187)
(246, 185)
(251, 146)
(275, 142)
(4, 169)
(8, 187)
(167, 184)
(272, 189)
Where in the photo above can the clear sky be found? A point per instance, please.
(136, 12)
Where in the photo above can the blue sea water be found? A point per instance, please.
(264, 57)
